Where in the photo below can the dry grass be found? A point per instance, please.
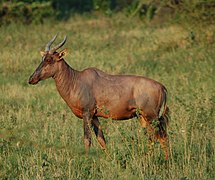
(40, 138)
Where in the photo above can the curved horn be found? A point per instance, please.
(59, 45)
(50, 43)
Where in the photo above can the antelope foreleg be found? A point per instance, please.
(87, 132)
(98, 132)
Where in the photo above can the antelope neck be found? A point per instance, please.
(65, 78)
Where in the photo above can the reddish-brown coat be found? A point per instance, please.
(92, 93)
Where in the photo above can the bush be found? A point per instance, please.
(28, 11)
(64, 8)
(197, 11)
(25, 12)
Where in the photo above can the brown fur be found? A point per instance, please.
(92, 93)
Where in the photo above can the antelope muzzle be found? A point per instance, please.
(34, 78)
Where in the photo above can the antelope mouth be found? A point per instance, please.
(33, 81)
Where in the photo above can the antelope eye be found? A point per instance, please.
(49, 60)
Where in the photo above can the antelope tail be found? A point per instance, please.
(164, 112)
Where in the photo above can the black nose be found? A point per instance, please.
(33, 79)
(30, 80)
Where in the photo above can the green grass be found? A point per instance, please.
(41, 139)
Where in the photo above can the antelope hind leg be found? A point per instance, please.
(163, 139)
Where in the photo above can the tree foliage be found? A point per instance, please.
(28, 11)
(25, 11)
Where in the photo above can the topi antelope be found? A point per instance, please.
(92, 93)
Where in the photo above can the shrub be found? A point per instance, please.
(28, 11)
(25, 12)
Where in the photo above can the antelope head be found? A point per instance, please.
(50, 59)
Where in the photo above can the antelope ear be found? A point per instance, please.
(42, 53)
(62, 54)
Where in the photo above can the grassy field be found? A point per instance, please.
(40, 138)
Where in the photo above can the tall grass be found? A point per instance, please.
(39, 136)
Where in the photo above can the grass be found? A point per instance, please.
(41, 139)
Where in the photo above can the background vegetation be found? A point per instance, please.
(28, 11)
(41, 139)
